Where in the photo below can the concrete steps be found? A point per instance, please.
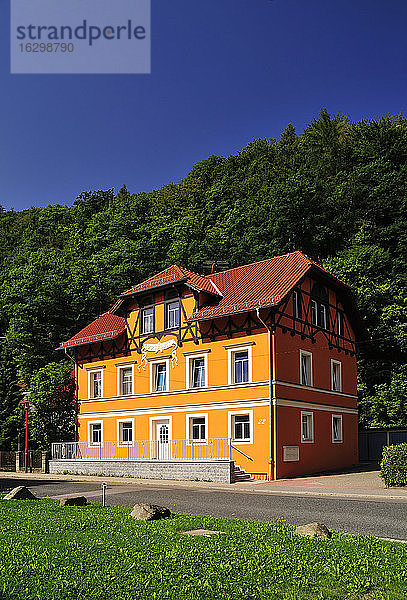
(240, 475)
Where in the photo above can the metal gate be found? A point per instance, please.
(7, 461)
(372, 442)
(35, 461)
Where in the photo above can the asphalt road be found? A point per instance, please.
(383, 519)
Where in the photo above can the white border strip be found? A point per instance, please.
(178, 409)
(250, 403)
(184, 391)
(225, 387)
(310, 406)
(313, 389)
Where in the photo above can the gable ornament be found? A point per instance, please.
(156, 348)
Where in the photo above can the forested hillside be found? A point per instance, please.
(338, 192)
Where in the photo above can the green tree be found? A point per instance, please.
(52, 397)
(337, 191)
(10, 400)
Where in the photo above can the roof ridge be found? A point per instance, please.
(157, 275)
(185, 271)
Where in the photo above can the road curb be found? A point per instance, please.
(208, 487)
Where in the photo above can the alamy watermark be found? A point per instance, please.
(80, 36)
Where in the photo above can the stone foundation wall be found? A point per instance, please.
(220, 471)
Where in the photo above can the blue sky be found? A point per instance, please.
(223, 72)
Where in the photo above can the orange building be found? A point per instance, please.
(249, 371)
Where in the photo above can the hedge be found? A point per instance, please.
(393, 467)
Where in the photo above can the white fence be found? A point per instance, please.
(211, 449)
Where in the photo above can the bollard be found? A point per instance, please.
(104, 486)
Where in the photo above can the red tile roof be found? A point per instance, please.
(238, 290)
(105, 327)
(259, 284)
(201, 283)
(171, 275)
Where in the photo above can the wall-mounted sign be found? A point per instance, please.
(291, 453)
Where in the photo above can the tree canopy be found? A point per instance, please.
(338, 192)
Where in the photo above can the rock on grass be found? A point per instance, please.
(149, 512)
(73, 501)
(318, 530)
(20, 493)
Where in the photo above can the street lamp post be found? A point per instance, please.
(26, 403)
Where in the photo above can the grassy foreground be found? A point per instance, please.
(48, 552)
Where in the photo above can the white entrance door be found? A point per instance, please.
(162, 436)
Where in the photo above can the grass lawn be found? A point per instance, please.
(48, 552)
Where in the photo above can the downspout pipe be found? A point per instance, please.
(272, 474)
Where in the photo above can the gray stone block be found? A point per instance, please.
(20, 493)
(220, 471)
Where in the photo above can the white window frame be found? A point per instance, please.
(339, 364)
(166, 316)
(189, 362)
(297, 308)
(91, 443)
(309, 355)
(121, 443)
(232, 414)
(323, 309)
(142, 332)
(188, 428)
(121, 368)
(91, 372)
(338, 441)
(310, 440)
(231, 363)
(153, 364)
(314, 312)
(341, 323)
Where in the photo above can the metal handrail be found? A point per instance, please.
(237, 449)
(185, 449)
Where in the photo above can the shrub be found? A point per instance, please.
(393, 468)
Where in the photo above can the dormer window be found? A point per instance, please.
(172, 309)
(147, 320)
(297, 312)
(172, 314)
(322, 316)
(147, 316)
(319, 307)
(314, 312)
(340, 323)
